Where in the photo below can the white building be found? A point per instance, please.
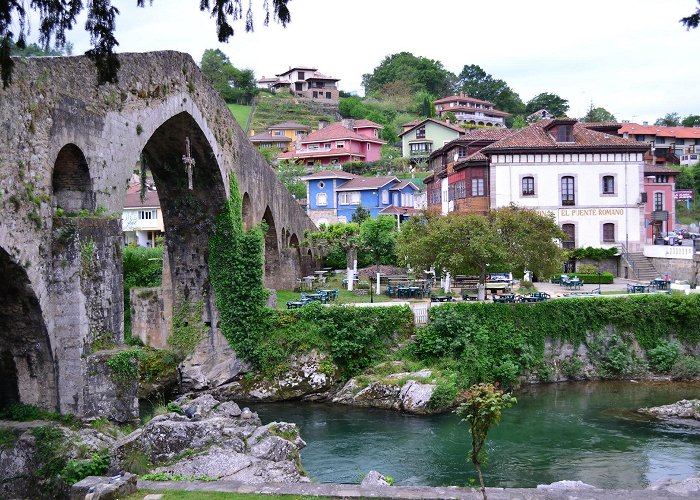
(142, 221)
(590, 182)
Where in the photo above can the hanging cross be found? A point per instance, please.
(189, 162)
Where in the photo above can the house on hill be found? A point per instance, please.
(669, 145)
(142, 221)
(306, 82)
(339, 143)
(334, 196)
(281, 135)
(471, 111)
(420, 138)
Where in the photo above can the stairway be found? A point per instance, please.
(643, 267)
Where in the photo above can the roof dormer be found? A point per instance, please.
(561, 130)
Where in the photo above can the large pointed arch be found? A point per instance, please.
(247, 212)
(272, 251)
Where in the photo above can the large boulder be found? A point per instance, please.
(685, 408)
(210, 367)
(404, 391)
(213, 440)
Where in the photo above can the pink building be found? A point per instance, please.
(339, 143)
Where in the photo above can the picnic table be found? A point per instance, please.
(441, 298)
(330, 294)
(310, 297)
(506, 298)
(660, 284)
(295, 304)
(637, 288)
(535, 297)
(573, 284)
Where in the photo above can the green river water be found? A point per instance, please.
(582, 431)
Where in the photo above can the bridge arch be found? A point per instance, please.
(188, 214)
(272, 250)
(71, 182)
(26, 363)
(247, 212)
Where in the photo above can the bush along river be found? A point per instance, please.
(586, 431)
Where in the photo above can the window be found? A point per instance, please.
(477, 187)
(315, 94)
(661, 179)
(567, 191)
(660, 140)
(148, 214)
(680, 142)
(385, 197)
(340, 144)
(460, 189)
(420, 133)
(658, 201)
(328, 95)
(327, 146)
(528, 186)
(321, 184)
(640, 138)
(609, 232)
(298, 86)
(321, 199)
(369, 146)
(300, 75)
(421, 148)
(565, 133)
(434, 197)
(349, 198)
(462, 152)
(300, 133)
(608, 184)
(407, 199)
(570, 238)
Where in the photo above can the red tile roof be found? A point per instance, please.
(461, 98)
(470, 108)
(392, 210)
(650, 168)
(401, 185)
(676, 132)
(366, 124)
(329, 174)
(268, 137)
(320, 153)
(535, 137)
(336, 131)
(289, 126)
(362, 183)
(444, 124)
(320, 76)
(133, 198)
(294, 68)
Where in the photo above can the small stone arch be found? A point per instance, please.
(71, 183)
(26, 364)
(272, 251)
(247, 212)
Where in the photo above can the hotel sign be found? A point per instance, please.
(583, 212)
(683, 194)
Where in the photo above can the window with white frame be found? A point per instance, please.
(460, 189)
(528, 186)
(278, 132)
(385, 196)
(321, 199)
(349, 198)
(478, 187)
(407, 199)
(340, 144)
(567, 191)
(148, 214)
(658, 201)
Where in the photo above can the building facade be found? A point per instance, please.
(142, 221)
(305, 82)
(420, 138)
(669, 145)
(660, 207)
(471, 111)
(280, 135)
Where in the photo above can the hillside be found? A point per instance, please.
(275, 108)
(240, 113)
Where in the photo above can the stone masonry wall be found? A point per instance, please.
(148, 316)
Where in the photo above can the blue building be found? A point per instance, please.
(334, 196)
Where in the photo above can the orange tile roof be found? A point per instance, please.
(461, 98)
(366, 124)
(535, 137)
(469, 108)
(336, 131)
(444, 124)
(289, 125)
(133, 198)
(268, 137)
(676, 132)
(319, 153)
(650, 168)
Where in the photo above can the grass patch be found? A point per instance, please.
(24, 413)
(276, 108)
(240, 113)
(417, 180)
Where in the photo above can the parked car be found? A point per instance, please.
(672, 238)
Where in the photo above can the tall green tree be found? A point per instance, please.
(475, 82)
(58, 17)
(482, 410)
(693, 20)
(378, 237)
(418, 73)
(289, 173)
(598, 114)
(670, 120)
(691, 121)
(346, 236)
(553, 103)
(233, 84)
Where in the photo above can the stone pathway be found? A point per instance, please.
(410, 492)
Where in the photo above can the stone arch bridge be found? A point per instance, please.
(70, 143)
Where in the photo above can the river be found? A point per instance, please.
(578, 431)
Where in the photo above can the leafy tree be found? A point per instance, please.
(691, 121)
(345, 236)
(418, 73)
(379, 237)
(289, 172)
(233, 84)
(57, 17)
(684, 180)
(475, 82)
(518, 122)
(693, 20)
(361, 214)
(556, 105)
(34, 50)
(598, 115)
(482, 409)
(670, 120)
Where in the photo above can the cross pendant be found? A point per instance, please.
(189, 162)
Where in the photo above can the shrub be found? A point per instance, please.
(686, 367)
(77, 470)
(663, 356)
(586, 269)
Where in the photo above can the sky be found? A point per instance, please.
(631, 57)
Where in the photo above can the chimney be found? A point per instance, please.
(322, 124)
(646, 124)
(348, 123)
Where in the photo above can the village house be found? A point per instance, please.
(281, 135)
(471, 111)
(669, 145)
(420, 138)
(334, 196)
(306, 82)
(142, 221)
(660, 207)
(338, 143)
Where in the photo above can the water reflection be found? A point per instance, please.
(581, 432)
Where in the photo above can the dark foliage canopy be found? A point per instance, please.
(56, 17)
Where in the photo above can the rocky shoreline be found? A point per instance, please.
(684, 409)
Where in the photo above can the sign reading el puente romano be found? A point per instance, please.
(583, 212)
